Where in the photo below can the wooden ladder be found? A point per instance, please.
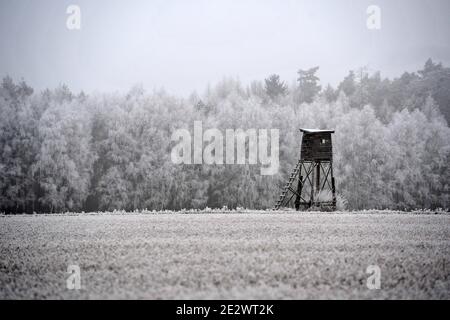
(287, 186)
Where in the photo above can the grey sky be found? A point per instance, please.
(184, 45)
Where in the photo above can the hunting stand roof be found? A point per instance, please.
(316, 131)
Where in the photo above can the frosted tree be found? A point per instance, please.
(330, 94)
(64, 164)
(18, 146)
(308, 85)
(274, 87)
(348, 85)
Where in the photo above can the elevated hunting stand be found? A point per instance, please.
(312, 183)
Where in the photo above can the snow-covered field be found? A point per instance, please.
(209, 256)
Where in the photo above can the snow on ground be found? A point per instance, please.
(223, 256)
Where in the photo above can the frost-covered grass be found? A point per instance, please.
(207, 256)
(225, 210)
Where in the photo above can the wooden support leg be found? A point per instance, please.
(311, 203)
(333, 186)
(318, 177)
(299, 193)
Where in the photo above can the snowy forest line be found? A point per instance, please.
(61, 151)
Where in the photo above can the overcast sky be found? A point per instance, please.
(184, 45)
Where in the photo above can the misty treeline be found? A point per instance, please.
(61, 151)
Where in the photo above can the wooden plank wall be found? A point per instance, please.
(313, 148)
